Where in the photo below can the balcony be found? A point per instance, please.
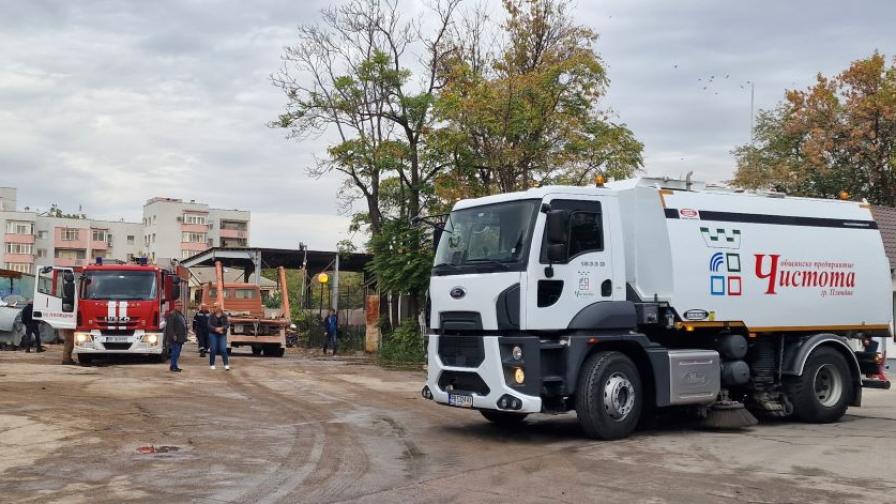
(233, 233)
(99, 245)
(18, 238)
(69, 263)
(194, 228)
(19, 258)
(69, 238)
(193, 246)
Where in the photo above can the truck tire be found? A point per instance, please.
(504, 418)
(273, 351)
(609, 396)
(824, 390)
(85, 360)
(256, 349)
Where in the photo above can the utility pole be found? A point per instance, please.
(752, 102)
(304, 249)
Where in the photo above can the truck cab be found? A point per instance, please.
(113, 308)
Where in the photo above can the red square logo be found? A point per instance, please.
(734, 286)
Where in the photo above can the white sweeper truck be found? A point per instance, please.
(620, 299)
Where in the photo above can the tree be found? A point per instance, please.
(525, 113)
(837, 135)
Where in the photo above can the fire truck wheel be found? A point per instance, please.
(824, 390)
(503, 418)
(609, 396)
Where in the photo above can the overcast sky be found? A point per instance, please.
(105, 104)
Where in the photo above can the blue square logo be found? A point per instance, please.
(717, 285)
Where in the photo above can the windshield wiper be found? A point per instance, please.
(446, 265)
(496, 262)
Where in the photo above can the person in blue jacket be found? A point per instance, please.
(331, 324)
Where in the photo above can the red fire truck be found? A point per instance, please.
(113, 308)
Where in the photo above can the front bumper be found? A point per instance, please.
(101, 344)
(490, 371)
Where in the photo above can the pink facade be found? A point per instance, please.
(81, 242)
(69, 262)
(232, 233)
(19, 258)
(18, 238)
(196, 247)
(194, 228)
(98, 245)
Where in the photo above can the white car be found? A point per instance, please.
(11, 327)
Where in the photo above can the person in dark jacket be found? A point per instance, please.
(200, 328)
(175, 335)
(217, 337)
(331, 325)
(32, 329)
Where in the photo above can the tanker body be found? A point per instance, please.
(613, 301)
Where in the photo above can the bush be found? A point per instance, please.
(404, 345)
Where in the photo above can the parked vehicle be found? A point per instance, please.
(616, 300)
(251, 324)
(114, 308)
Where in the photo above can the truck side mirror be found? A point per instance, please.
(557, 252)
(175, 291)
(436, 236)
(557, 222)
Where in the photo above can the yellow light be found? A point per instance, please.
(599, 180)
(843, 195)
(323, 278)
(519, 375)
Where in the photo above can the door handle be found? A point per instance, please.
(606, 288)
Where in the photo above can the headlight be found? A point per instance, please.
(519, 375)
(82, 337)
(152, 339)
(517, 353)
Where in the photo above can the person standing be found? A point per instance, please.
(176, 335)
(68, 346)
(217, 337)
(32, 328)
(331, 324)
(200, 328)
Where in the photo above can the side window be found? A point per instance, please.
(45, 286)
(585, 233)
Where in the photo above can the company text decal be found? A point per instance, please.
(831, 278)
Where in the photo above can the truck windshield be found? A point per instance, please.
(497, 235)
(119, 285)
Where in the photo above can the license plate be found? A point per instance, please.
(117, 339)
(460, 401)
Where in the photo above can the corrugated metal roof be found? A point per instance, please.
(886, 222)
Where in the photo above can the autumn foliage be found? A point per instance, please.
(837, 135)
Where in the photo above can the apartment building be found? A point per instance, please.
(171, 229)
(177, 229)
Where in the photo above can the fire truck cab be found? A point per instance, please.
(113, 308)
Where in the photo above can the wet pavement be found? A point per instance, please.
(307, 428)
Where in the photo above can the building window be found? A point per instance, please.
(69, 234)
(194, 219)
(130, 257)
(41, 252)
(130, 239)
(99, 235)
(19, 227)
(19, 267)
(211, 242)
(70, 254)
(42, 235)
(187, 253)
(234, 225)
(192, 237)
(153, 237)
(18, 248)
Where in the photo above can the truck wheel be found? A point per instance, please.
(278, 352)
(85, 360)
(824, 390)
(504, 418)
(256, 349)
(609, 396)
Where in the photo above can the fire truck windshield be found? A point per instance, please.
(119, 285)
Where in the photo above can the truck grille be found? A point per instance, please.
(117, 346)
(462, 381)
(461, 351)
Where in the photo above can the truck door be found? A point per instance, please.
(56, 297)
(585, 276)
